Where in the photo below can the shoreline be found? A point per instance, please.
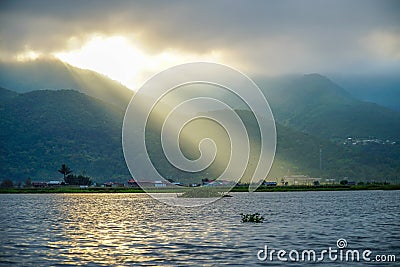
(62, 190)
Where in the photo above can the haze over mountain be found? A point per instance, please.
(43, 129)
(53, 74)
(382, 89)
(314, 104)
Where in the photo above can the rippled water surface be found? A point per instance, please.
(135, 230)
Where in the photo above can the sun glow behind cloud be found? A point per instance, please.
(126, 62)
(27, 55)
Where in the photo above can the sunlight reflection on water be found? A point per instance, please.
(134, 229)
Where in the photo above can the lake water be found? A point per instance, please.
(135, 230)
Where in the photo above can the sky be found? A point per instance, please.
(130, 41)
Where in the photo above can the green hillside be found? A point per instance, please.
(43, 129)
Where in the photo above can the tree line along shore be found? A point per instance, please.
(242, 188)
(84, 184)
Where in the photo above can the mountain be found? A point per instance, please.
(43, 129)
(382, 89)
(54, 75)
(307, 103)
(6, 94)
(314, 104)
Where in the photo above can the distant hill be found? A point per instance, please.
(43, 129)
(314, 104)
(52, 74)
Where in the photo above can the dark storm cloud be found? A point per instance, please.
(300, 33)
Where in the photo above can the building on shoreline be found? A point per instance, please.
(300, 180)
(133, 183)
